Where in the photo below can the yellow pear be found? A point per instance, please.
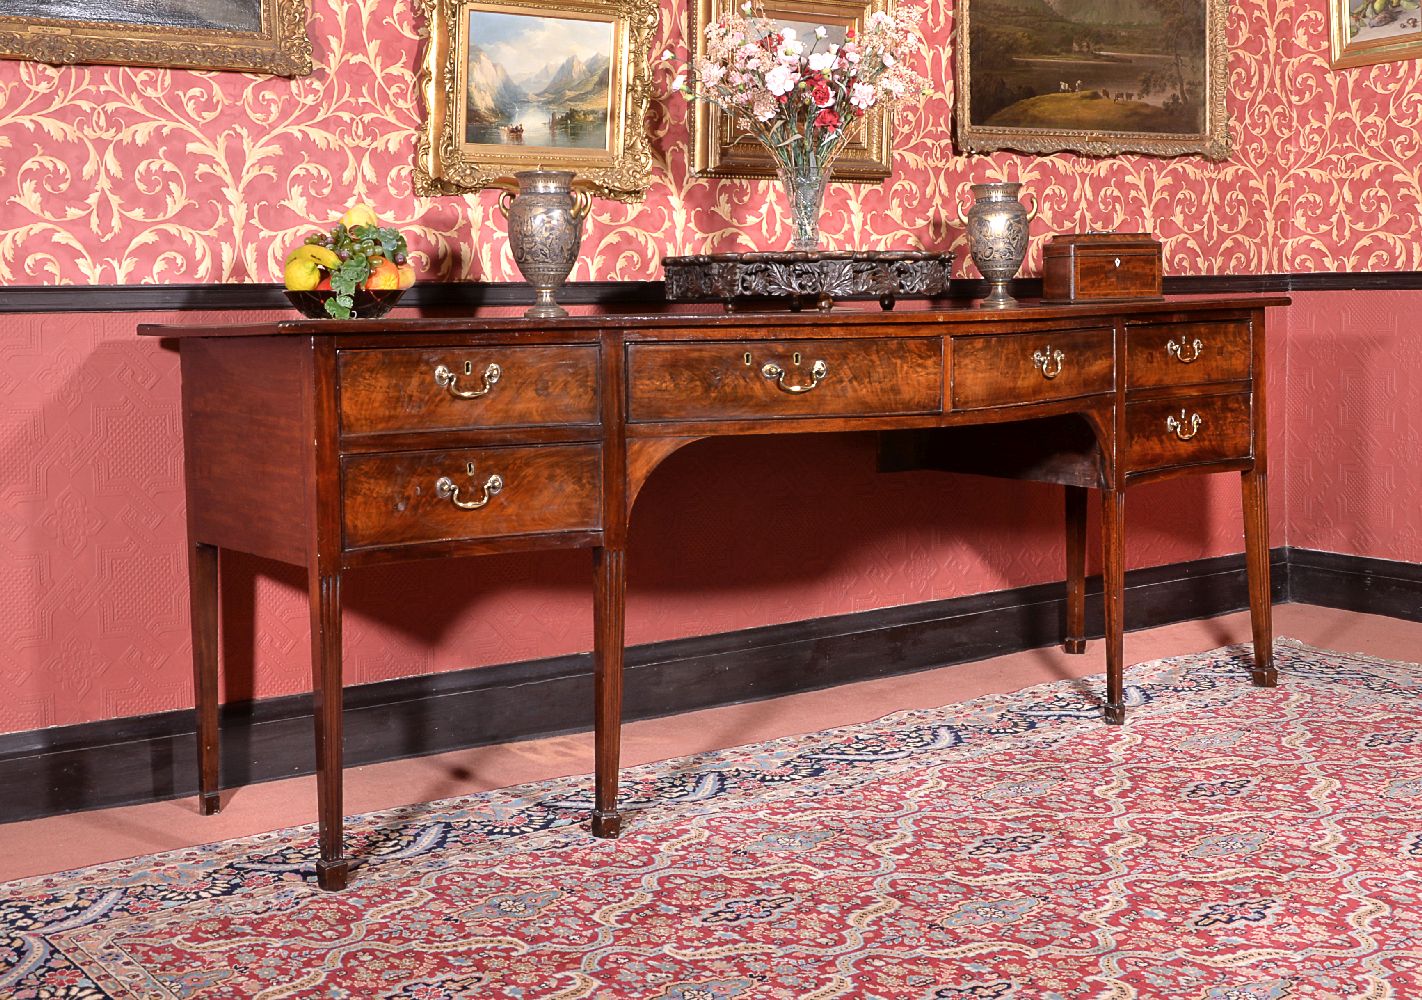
(359, 214)
(304, 264)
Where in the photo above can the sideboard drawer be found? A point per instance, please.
(1166, 354)
(1031, 367)
(789, 378)
(451, 388)
(1187, 430)
(407, 498)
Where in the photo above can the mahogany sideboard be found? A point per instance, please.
(339, 444)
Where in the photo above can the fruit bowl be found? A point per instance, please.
(365, 304)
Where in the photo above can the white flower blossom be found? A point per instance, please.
(679, 82)
(862, 96)
(780, 80)
(820, 32)
(823, 62)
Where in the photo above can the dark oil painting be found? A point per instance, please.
(1101, 65)
(217, 15)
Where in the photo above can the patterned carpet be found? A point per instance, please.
(1229, 843)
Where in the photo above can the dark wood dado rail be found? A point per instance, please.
(334, 445)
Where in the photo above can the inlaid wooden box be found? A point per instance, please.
(1101, 267)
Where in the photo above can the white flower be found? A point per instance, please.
(862, 96)
(823, 62)
(788, 34)
(851, 53)
(746, 6)
(791, 50)
(888, 58)
(820, 32)
(679, 82)
(780, 80)
(668, 54)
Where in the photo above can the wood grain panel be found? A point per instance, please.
(1202, 352)
(1007, 370)
(246, 431)
(392, 499)
(1221, 433)
(396, 390)
(728, 380)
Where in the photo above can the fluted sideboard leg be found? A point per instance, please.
(609, 620)
(1074, 641)
(333, 867)
(1113, 585)
(1256, 548)
(203, 606)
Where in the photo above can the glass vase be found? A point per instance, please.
(804, 184)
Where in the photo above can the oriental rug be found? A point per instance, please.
(1227, 843)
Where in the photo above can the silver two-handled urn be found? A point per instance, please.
(545, 212)
(997, 237)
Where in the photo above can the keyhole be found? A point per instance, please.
(468, 368)
(797, 358)
(746, 357)
(469, 468)
(1118, 261)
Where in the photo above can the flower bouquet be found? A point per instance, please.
(803, 98)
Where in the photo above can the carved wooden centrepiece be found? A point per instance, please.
(818, 277)
(340, 444)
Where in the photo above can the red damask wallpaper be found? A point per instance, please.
(112, 175)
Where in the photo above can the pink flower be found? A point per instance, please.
(861, 95)
(780, 80)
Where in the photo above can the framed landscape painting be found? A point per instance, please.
(722, 149)
(262, 36)
(512, 86)
(1092, 76)
(1365, 32)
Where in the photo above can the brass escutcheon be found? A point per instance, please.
(446, 379)
(447, 489)
(1045, 359)
(775, 373)
(1178, 350)
(1178, 425)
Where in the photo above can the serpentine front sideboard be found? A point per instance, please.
(339, 444)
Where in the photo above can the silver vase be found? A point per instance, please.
(997, 237)
(545, 216)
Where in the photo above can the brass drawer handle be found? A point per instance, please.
(1178, 350)
(777, 374)
(1045, 359)
(446, 379)
(1178, 425)
(447, 489)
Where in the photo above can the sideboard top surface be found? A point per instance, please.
(585, 324)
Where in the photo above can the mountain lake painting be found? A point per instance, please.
(535, 80)
(1103, 65)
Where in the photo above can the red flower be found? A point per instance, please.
(828, 119)
(821, 95)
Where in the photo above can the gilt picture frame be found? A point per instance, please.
(1366, 32)
(256, 36)
(558, 84)
(1098, 77)
(720, 148)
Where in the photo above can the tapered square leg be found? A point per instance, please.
(1256, 549)
(325, 595)
(609, 628)
(1113, 585)
(203, 587)
(1075, 639)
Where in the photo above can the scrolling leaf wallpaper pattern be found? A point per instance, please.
(117, 175)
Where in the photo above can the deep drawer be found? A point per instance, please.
(447, 389)
(1031, 367)
(407, 498)
(792, 378)
(1189, 430)
(1166, 354)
